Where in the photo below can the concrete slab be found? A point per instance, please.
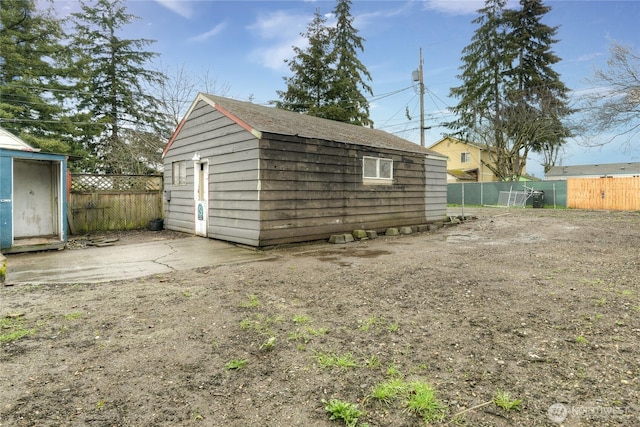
(119, 262)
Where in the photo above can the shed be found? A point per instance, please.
(32, 197)
(263, 176)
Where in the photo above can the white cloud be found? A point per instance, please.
(279, 31)
(181, 7)
(207, 35)
(589, 57)
(460, 7)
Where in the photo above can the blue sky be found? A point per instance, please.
(242, 45)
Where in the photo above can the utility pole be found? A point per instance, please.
(421, 101)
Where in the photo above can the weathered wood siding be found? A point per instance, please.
(604, 193)
(312, 189)
(435, 188)
(232, 153)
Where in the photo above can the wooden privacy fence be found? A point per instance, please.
(113, 202)
(604, 193)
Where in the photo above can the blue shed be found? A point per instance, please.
(33, 197)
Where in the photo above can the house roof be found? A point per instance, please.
(11, 142)
(460, 141)
(595, 170)
(463, 175)
(259, 120)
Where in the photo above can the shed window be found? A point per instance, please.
(378, 169)
(465, 157)
(179, 173)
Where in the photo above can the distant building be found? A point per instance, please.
(467, 161)
(615, 170)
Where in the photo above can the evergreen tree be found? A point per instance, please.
(328, 78)
(510, 98)
(112, 81)
(537, 94)
(30, 76)
(480, 109)
(309, 88)
(351, 106)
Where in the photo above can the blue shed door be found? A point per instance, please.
(35, 198)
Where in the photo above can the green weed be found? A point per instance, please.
(504, 401)
(317, 332)
(328, 360)
(422, 400)
(73, 316)
(235, 364)
(269, 344)
(581, 340)
(368, 324)
(389, 390)
(15, 330)
(252, 302)
(300, 319)
(345, 411)
(372, 362)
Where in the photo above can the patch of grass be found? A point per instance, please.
(503, 400)
(581, 340)
(393, 327)
(299, 336)
(196, 415)
(389, 390)
(73, 316)
(317, 332)
(422, 400)
(600, 302)
(368, 324)
(269, 344)
(329, 360)
(235, 364)
(15, 330)
(345, 411)
(300, 319)
(260, 323)
(372, 362)
(393, 371)
(253, 302)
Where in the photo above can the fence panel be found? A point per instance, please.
(487, 193)
(604, 193)
(113, 202)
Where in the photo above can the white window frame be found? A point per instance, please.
(179, 172)
(465, 157)
(377, 178)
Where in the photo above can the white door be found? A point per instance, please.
(201, 196)
(35, 197)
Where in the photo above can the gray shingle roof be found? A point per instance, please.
(283, 122)
(595, 170)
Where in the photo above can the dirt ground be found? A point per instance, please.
(540, 304)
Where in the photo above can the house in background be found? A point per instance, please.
(32, 197)
(467, 162)
(612, 170)
(262, 176)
